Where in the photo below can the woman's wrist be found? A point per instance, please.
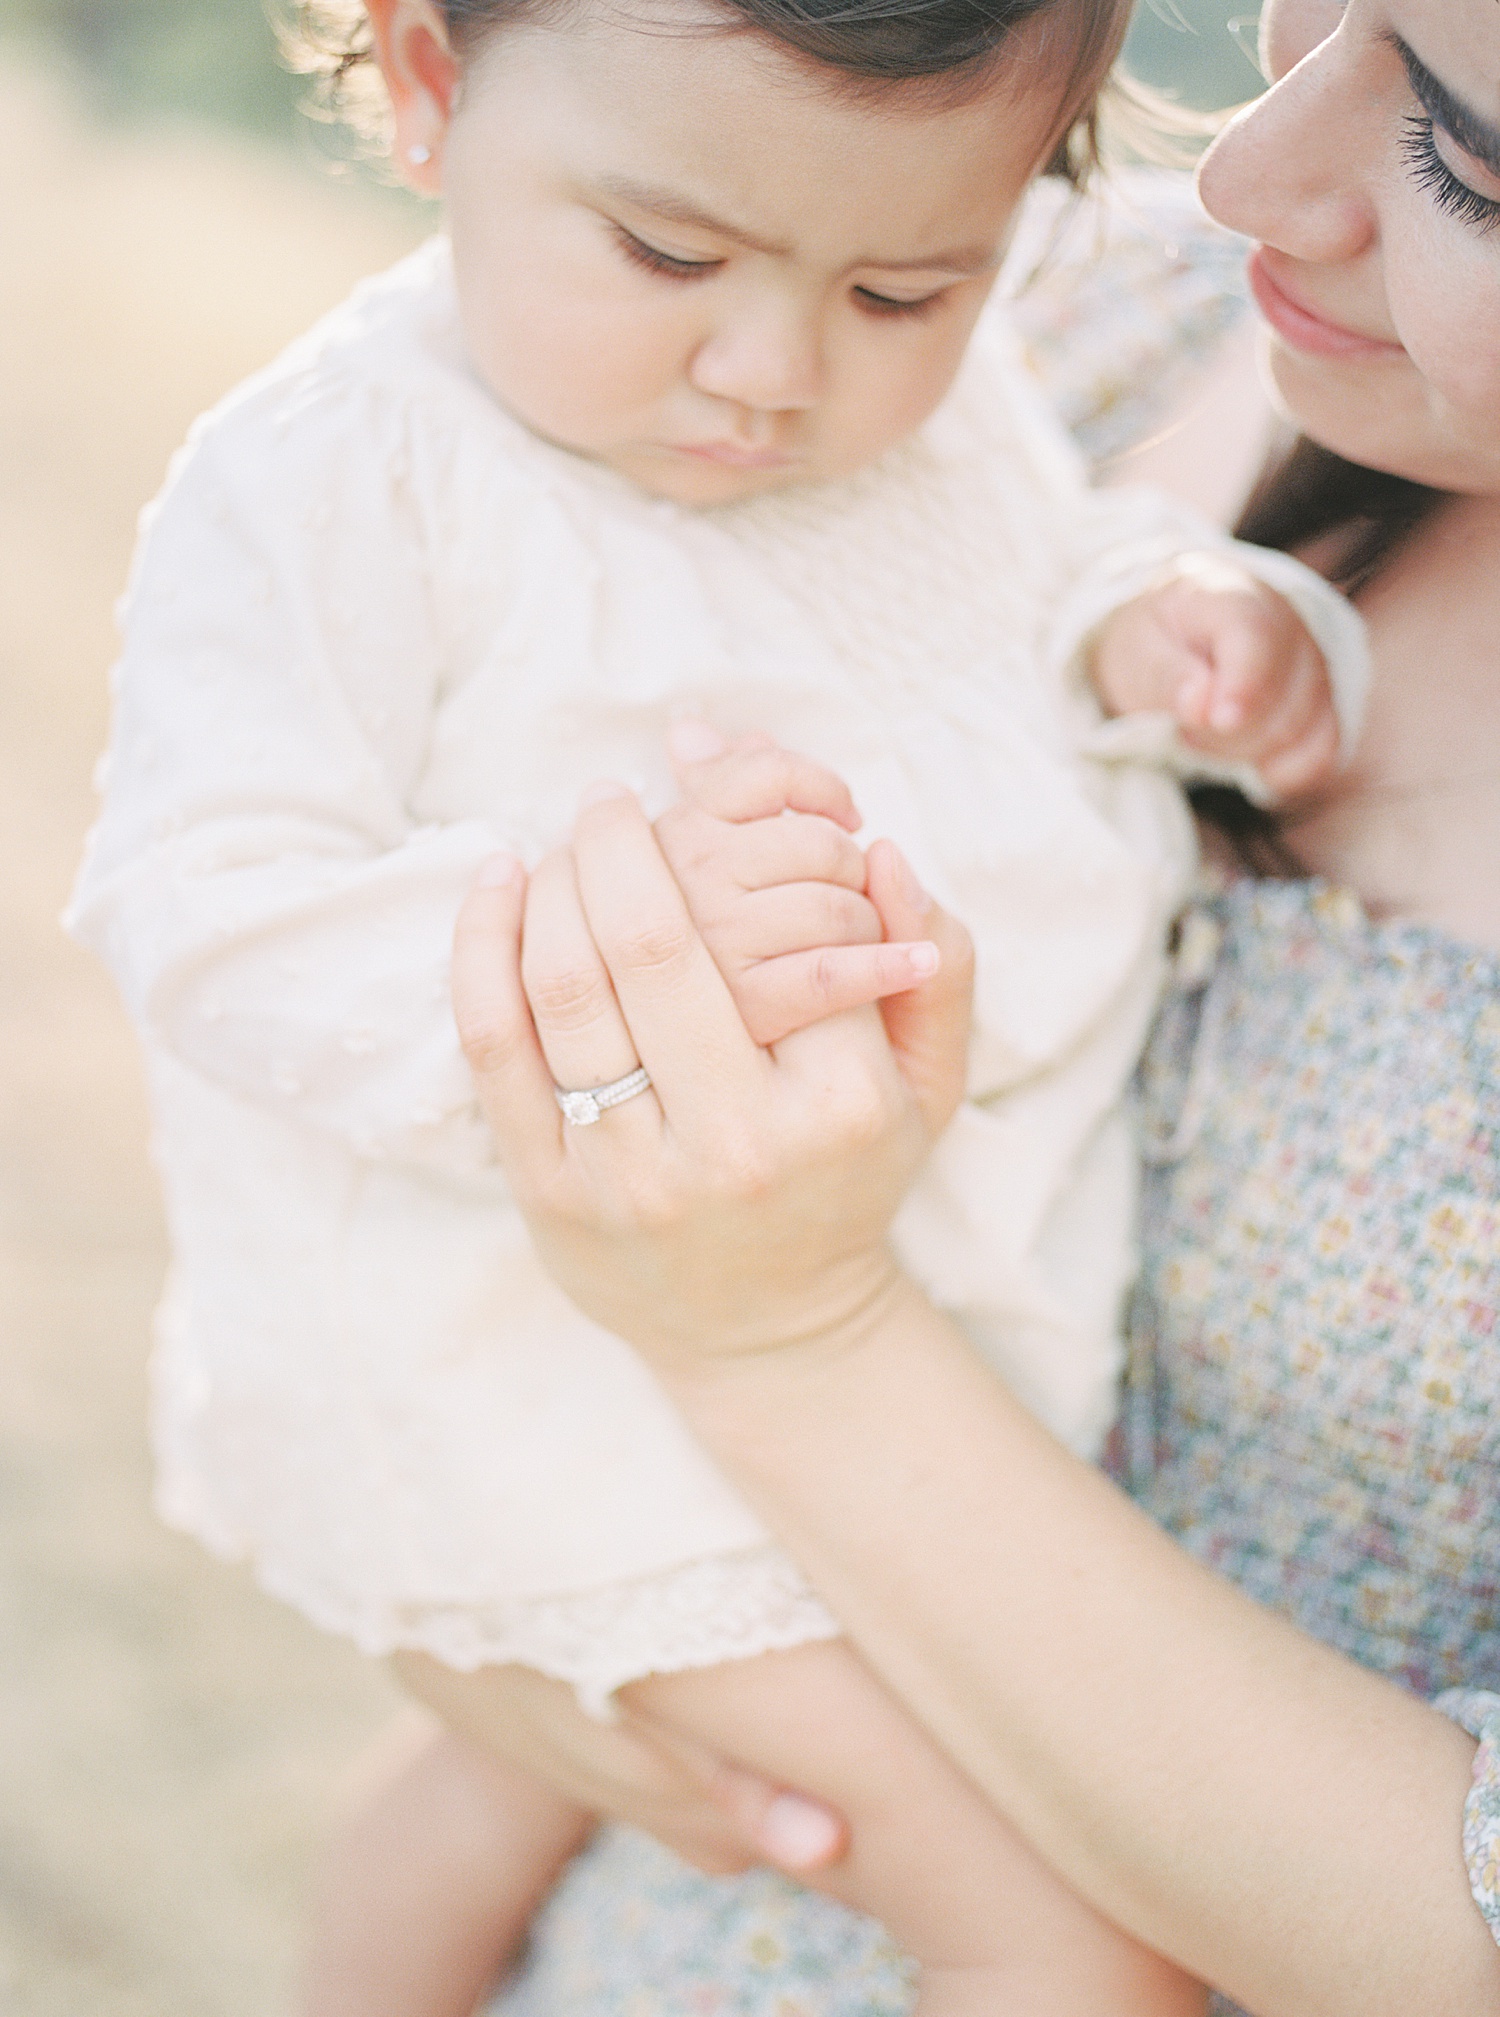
(786, 1385)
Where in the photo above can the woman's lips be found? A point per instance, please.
(1301, 327)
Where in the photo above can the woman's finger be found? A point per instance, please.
(928, 1025)
(583, 1035)
(757, 781)
(789, 1830)
(624, 1772)
(494, 1021)
(675, 1002)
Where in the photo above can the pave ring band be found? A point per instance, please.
(582, 1109)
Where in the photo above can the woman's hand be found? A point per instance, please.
(744, 1202)
(712, 1814)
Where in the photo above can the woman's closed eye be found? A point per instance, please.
(668, 264)
(1452, 195)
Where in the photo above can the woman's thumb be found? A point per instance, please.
(928, 1025)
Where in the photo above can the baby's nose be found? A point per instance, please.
(771, 364)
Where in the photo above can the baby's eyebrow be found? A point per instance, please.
(672, 208)
(675, 209)
(1475, 135)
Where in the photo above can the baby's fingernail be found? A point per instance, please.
(693, 741)
(499, 872)
(603, 788)
(924, 960)
(798, 1834)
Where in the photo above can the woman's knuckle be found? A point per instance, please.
(653, 1202)
(655, 946)
(566, 997)
(489, 1043)
(746, 1170)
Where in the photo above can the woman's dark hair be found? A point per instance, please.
(1307, 494)
(872, 42)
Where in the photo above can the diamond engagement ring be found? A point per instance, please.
(581, 1110)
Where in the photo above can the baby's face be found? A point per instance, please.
(700, 262)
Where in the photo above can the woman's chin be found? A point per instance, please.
(1387, 425)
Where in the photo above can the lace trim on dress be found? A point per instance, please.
(724, 1607)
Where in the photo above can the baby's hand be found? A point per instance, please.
(1233, 661)
(793, 913)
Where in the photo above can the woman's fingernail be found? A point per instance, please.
(603, 788)
(798, 1834)
(499, 872)
(924, 960)
(692, 741)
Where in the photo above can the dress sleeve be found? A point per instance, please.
(275, 915)
(1479, 1714)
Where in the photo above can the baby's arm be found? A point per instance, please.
(995, 1932)
(276, 915)
(1234, 664)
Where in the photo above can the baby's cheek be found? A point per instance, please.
(892, 390)
(582, 376)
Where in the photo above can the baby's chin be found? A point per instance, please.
(700, 481)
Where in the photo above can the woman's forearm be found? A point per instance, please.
(1269, 1814)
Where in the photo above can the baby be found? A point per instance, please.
(698, 412)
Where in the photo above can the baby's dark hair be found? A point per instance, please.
(951, 43)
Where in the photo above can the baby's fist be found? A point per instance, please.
(1234, 663)
(762, 848)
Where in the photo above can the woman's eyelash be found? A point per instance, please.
(887, 304)
(645, 255)
(1432, 172)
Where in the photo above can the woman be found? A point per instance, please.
(1315, 1369)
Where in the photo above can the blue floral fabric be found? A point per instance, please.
(631, 1932)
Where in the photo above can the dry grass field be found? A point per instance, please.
(172, 1741)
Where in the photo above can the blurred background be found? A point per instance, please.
(174, 1743)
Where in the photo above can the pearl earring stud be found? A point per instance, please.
(419, 156)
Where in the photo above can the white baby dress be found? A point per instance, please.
(376, 630)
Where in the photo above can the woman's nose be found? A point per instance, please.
(1293, 169)
(770, 362)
